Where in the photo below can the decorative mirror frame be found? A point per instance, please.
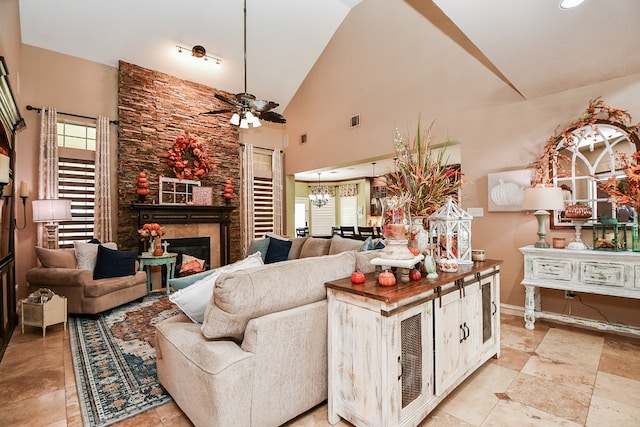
(553, 163)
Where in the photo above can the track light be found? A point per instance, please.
(200, 52)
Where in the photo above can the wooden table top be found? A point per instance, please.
(401, 291)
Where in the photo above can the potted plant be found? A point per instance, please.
(423, 178)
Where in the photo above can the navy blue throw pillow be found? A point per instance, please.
(113, 263)
(278, 250)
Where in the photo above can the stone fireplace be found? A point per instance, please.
(189, 222)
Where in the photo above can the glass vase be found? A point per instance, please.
(418, 236)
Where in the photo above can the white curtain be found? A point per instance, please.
(102, 205)
(276, 165)
(247, 228)
(47, 164)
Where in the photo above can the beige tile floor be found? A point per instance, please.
(553, 376)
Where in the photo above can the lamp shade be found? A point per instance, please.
(543, 198)
(51, 210)
(4, 169)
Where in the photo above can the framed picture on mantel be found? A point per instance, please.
(203, 196)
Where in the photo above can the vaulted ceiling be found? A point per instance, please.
(532, 45)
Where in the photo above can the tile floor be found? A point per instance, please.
(553, 376)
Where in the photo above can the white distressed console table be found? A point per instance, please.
(395, 352)
(589, 271)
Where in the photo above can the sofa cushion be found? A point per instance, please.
(259, 245)
(313, 247)
(87, 253)
(340, 244)
(193, 299)
(278, 250)
(296, 247)
(114, 263)
(245, 295)
(363, 261)
(56, 258)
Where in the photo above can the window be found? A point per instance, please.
(76, 181)
(263, 200)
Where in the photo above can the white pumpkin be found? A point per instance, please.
(505, 194)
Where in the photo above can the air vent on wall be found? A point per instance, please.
(303, 138)
(354, 121)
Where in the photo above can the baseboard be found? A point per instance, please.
(514, 310)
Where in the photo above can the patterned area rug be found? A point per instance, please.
(115, 361)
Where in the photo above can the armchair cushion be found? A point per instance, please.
(56, 258)
(114, 263)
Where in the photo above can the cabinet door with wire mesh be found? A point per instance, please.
(416, 358)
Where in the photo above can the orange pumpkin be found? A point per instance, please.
(387, 278)
(358, 278)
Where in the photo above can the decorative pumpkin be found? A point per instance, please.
(387, 278)
(415, 274)
(228, 190)
(414, 251)
(358, 278)
(142, 186)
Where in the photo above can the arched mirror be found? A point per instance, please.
(589, 153)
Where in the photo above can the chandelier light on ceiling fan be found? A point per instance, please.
(318, 197)
(246, 109)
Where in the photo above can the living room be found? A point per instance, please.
(392, 78)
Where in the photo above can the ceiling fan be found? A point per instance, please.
(246, 109)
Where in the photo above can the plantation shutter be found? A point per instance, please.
(322, 219)
(349, 211)
(76, 182)
(264, 219)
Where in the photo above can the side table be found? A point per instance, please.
(43, 314)
(168, 260)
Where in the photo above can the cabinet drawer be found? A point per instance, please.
(600, 273)
(556, 269)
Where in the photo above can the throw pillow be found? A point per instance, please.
(86, 254)
(56, 258)
(114, 263)
(259, 245)
(191, 265)
(193, 299)
(278, 250)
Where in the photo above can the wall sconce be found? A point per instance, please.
(200, 52)
(51, 211)
(24, 195)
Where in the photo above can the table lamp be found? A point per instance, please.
(51, 211)
(542, 200)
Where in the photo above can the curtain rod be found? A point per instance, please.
(242, 144)
(38, 110)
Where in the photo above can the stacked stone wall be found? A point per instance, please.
(153, 110)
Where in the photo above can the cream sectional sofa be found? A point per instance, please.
(260, 356)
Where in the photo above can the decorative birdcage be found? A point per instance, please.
(450, 227)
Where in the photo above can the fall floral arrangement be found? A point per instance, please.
(151, 230)
(552, 160)
(188, 158)
(421, 176)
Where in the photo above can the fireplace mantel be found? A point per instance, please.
(190, 214)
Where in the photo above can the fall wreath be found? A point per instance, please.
(188, 158)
